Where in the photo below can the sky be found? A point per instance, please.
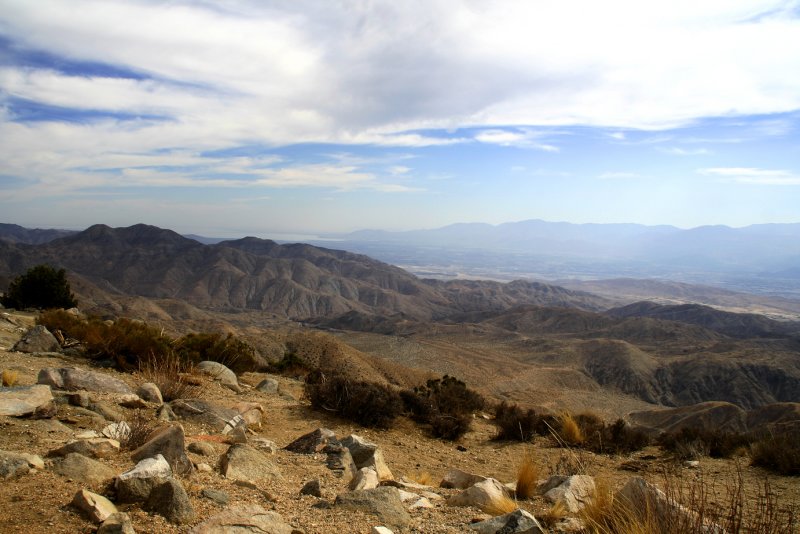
(255, 117)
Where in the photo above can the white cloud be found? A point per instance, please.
(678, 151)
(746, 175)
(518, 138)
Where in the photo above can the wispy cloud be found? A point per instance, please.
(678, 151)
(754, 176)
(517, 138)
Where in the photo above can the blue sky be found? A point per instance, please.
(246, 117)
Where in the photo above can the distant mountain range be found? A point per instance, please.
(297, 281)
(762, 258)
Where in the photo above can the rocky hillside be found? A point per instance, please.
(88, 449)
(297, 281)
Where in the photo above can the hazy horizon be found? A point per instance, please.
(310, 117)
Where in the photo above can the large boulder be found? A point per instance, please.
(245, 519)
(169, 441)
(574, 493)
(487, 495)
(92, 448)
(242, 462)
(96, 507)
(25, 400)
(517, 522)
(170, 500)
(79, 467)
(74, 378)
(458, 479)
(15, 464)
(383, 502)
(367, 454)
(313, 442)
(37, 339)
(215, 416)
(136, 484)
(220, 373)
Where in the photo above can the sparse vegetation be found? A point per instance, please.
(569, 431)
(366, 403)
(172, 375)
(225, 349)
(527, 477)
(778, 452)
(514, 423)
(501, 505)
(41, 287)
(141, 425)
(690, 443)
(446, 404)
(9, 378)
(290, 365)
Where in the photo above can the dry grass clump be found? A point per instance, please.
(366, 403)
(9, 378)
(569, 431)
(778, 452)
(527, 477)
(501, 505)
(554, 515)
(172, 375)
(140, 425)
(422, 477)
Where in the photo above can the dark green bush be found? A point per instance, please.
(444, 403)
(41, 287)
(366, 403)
(616, 438)
(778, 452)
(514, 423)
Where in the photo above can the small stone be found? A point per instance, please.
(169, 442)
(119, 523)
(204, 468)
(78, 467)
(220, 373)
(203, 448)
(37, 339)
(264, 445)
(366, 478)
(380, 530)
(170, 500)
(96, 507)
(268, 385)
(150, 392)
(312, 442)
(25, 400)
(134, 402)
(137, 484)
(79, 398)
(312, 487)
(118, 431)
(93, 448)
(244, 463)
(692, 464)
(218, 496)
(245, 519)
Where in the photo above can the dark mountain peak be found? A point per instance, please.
(14, 233)
(131, 236)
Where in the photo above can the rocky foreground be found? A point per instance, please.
(84, 449)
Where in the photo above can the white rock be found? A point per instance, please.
(575, 493)
(365, 478)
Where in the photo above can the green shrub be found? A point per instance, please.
(514, 423)
(40, 287)
(366, 403)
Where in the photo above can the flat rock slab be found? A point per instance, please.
(92, 448)
(247, 519)
(244, 463)
(207, 413)
(313, 442)
(220, 373)
(79, 467)
(73, 379)
(96, 507)
(518, 521)
(383, 502)
(24, 400)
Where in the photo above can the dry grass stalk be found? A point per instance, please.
(527, 477)
(422, 477)
(554, 515)
(9, 378)
(570, 431)
(501, 505)
(173, 376)
(141, 426)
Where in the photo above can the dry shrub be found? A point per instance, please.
(172, 375)
(514, 423)
(554, 515)
(778, 452)
(569, 431)
(527, 477)
(446, 404)
(366, 403)
(225, 349)
(500, 505)
(141, 426)
(9, 378)
(691, 443)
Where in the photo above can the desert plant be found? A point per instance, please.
(40, 287)
(422, 477)
(527, 477)
(290, 365)
(225, 349)
(446, 404)
(140, 426)
(779, 452)
(500, 505)
(569, 431)
(171, 374)
(9, 378)
(450, 426)
(616, 438)
(366, 403)
(690, 443)
(514, 423)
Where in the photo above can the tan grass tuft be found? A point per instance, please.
(570, 431)
(501, 505)
(422, 477)
(527, 477)
(555, 514)
(9, 378)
